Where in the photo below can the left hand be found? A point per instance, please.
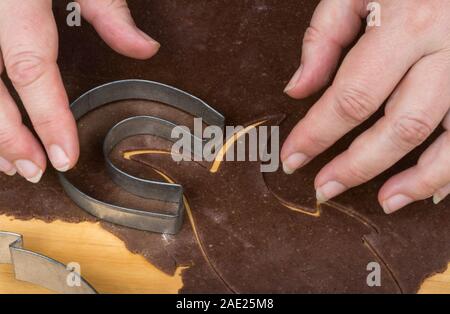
(28, 53)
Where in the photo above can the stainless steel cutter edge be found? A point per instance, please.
(38, 269)
(144, 90)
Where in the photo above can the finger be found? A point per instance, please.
(335, 25)
(112, 20)
(431, 176)
(17, 143)
(411, 116)
(362, 84)
(446, 122)
(18, 147)
(30, 55)
(443, 192)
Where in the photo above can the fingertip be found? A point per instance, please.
(397, 185)
(385, 191)
(286, 150)
(7, 167)
(24, 156)
(30, 170)
(147, 48)
(392, 196)
(306, 81)
(396, 202)
(59, 134)
(127, 39)
(294, 162)
(114, 23)
(441, 194)
(294, 143)
(292, 87)
(63, 151)
(59, 158)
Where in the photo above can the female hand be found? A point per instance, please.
(406, 61)
(29, 49)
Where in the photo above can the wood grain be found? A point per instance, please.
(106, 263)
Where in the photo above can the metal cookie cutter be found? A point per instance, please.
(38, 269)
(152, 219)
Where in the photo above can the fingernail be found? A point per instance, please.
(29, 170)
(437, 199)
(329, 190)
(294, 80)
(11, 172)
(59, 158)
(7, 167)
(440, 195)
(396, 202)
(148, 38)
(293, 162)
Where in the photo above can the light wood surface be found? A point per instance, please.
(105, 262)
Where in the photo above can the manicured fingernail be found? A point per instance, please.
(294, 80)
(59, 158)
(29, 170)
(293, 162)
(396, 202)
(440, 195)
(7, 167)
(329, 190)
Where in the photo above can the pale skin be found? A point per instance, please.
(29, 48)
(405, 61)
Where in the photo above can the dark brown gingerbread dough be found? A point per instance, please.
(237, 55)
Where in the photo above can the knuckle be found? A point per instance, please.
(312, 34)
(420, 17)
(315, 140)
(112, 6)
(354, 105)
(25, 68)
(45, 123)
(410, 131)
(360, 173)
(52, 119)
(429, 184)
(8, 137)
(10, 131)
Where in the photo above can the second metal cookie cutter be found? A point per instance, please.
(152, 219)
(38, 269)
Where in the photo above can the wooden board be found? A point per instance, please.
(104, 260)
(106, 263)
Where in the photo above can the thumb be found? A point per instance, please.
(113, 21)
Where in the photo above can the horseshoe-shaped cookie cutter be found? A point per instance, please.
(153, 219)
(38, 269)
